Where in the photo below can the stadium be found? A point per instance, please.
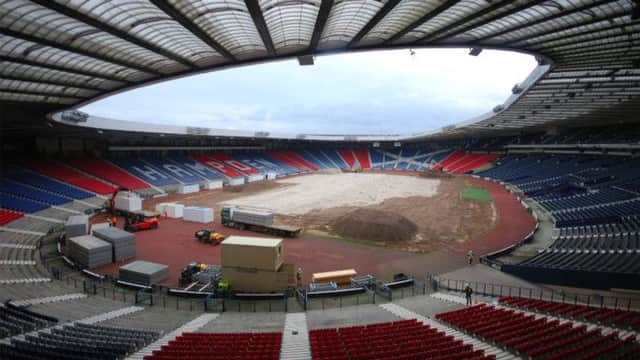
(512, 235)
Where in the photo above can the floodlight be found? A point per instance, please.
(475, 51)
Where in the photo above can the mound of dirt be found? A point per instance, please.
(374, 225)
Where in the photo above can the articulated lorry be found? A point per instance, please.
(255, 220)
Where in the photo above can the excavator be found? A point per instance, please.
(209, 236)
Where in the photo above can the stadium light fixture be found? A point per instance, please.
(305, 60)
(475, 51)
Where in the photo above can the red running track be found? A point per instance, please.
(173, 244)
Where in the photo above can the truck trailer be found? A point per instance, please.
(255, 220)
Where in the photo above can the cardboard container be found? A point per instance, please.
(236, 181)
(175, 211)
(254, 177)
(256, 280)
(198, 214)
(252, 253)
(188, 188)
(340, 277)
(128, 201)
(213, 184)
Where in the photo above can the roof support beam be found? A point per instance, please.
(111, 30)
(53, 44)
(321, 21)
(426, 17)
(171, 11)
(373, 22)
(434, 35)
(544, 19)
(561, 38)
(569, 26)
(65, 69)
(13, 77)
(484, 22)
(38, 93)
(261, 25)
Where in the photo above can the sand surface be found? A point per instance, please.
(323, 191)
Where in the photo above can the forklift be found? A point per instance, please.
(209, 236)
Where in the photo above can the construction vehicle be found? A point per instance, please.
(209, 236)
(140, 220)
(128, 205)
(202, 277)
(255, 220)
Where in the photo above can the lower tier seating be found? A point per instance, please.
(539, 337)
(603, 315)
(78, 341)
(21, 204)
(405, 339)
(17, 320)
(71, 176)
(228, 346)
(7, 216)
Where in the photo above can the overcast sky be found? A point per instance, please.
(385, 92)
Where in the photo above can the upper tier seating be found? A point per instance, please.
(78, 341)
(145, 171)
(239, 166)
(7, 216)
(16, 320)
(611, 261)
(50, 185)
(450, 159)
(471, 162)
(293, 160)
(538, 337)
(222, 346)
(265, 163)
(197, 167)
(404, 339)
(316, 158)
(174, 170)
(108, 171)
(21, 204)
(363, 158)
(22, 191)
(218, 166)
(613, 317)
(71, 176)
(348, 157)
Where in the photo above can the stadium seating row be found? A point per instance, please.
(614, 317)
(539, 337)
(405, 339)
(78, 341)
(232, 346)
(7, 216)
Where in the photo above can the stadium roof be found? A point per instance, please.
(58, 54)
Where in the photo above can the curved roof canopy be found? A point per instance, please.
(68, 52)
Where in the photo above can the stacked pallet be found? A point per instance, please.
(123, 242)
(76, 225)
(89, 251)
(144, 272)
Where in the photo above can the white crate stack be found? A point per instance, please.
(89, 251)
(123, 242)
(198, 214)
